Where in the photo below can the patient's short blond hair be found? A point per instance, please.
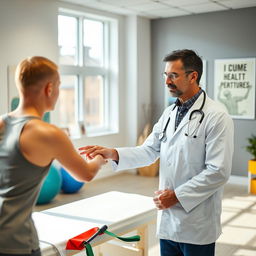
(34, 70)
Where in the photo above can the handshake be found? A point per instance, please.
(92, 151)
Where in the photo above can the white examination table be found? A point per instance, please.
(121, 212)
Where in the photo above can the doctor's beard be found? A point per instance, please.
(174, 91)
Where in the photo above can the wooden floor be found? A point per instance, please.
(238, 215)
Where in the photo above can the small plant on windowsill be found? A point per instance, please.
(251, 148)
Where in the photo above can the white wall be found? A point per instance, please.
(131, 93)
(138, 89)
(29, 27)
(144, 74)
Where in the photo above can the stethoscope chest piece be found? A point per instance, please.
(162, 137)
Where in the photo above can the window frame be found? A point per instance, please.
(107, 71)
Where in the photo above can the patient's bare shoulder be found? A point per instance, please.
(37, 127)
(40, 142)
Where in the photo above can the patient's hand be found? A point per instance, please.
(99, 159)
(92, 151)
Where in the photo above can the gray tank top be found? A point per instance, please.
(20, 183)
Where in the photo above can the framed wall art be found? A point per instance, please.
(234, 86)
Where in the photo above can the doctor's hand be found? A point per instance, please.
(92, 151)
(165, 199)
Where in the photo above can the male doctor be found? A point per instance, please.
(194, 141)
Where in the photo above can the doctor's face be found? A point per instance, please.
(177, 79)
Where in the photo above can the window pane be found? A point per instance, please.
(67, 38)
(93, 43)
(94, 101)
(67, 100)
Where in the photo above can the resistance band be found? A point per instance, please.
(83, 240)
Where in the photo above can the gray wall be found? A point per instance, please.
(218, 35)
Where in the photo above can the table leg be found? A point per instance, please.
(143, 243)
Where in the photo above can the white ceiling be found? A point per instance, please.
(155, 9)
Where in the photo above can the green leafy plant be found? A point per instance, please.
(251, 148)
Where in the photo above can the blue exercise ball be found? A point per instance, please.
(69, 184)
(51, 186)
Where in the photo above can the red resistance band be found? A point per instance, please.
(77, 242)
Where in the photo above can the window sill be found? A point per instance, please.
(93, 134)
(100, 133)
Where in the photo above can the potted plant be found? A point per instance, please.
(251, 148)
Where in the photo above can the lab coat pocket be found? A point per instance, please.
(194, 150)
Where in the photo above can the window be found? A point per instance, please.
(68, 40)
(87, 60)
(94, 101)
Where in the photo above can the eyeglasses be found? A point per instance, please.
(173, 75)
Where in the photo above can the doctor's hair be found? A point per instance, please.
(190, 60)
(33, 70)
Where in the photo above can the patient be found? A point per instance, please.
(27, 148)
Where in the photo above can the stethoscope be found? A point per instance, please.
(162, 135)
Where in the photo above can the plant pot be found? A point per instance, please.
(253, 186)
(252, 176)
(252, 166)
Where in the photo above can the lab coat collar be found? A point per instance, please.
(172, 115)
(185, 119)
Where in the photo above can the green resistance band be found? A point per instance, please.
(88, 247)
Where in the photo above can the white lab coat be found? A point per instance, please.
(195, 168)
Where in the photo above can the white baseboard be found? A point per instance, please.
(238, 180)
